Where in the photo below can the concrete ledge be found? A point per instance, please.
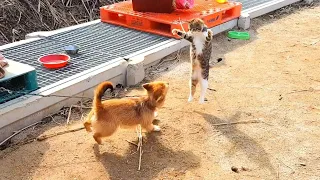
(135, 71)
(244, 21)
(49, 33)
(34, 36)
(268, 7)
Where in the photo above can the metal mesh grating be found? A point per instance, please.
(99, 43)
(246, 4)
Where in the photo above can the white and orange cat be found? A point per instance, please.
(200, 53)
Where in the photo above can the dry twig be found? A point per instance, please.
(305, 90)
(132, 143)
(17, 132)
(181, 25)
(75, 106)
(43, 137)
(139, 132)
(54, 120)
(238, 122)
(69, 114)
(293, 171)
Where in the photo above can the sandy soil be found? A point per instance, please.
(255, 82)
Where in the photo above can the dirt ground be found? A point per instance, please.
(273, 78)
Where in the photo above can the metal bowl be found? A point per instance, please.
(71, 49)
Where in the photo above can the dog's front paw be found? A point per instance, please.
(155, 114)
(156, 128)
(190, 98)
(175, 31)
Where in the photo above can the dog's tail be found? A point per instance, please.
(99, 91)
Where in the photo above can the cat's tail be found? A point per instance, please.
(98, 93)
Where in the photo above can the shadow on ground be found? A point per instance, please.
(254, 151)
(156, 158)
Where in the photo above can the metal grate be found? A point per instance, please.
(246, 4)
(99, 43)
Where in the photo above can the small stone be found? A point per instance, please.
(303, 164)
(235, 169)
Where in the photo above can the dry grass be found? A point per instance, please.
(20, 17)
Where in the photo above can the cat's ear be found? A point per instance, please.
(147, 86)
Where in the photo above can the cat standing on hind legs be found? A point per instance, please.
(200, 53)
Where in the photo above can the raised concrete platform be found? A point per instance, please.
(26, 110)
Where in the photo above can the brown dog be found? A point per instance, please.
(105, 117)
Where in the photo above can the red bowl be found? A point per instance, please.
(54, 61)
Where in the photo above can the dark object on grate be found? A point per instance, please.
(71, 49)
(157, 6)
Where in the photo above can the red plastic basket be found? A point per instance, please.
(157, 6)
(211, 12)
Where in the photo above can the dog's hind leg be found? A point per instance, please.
(87, 123)
(102, 129)
(97, 138)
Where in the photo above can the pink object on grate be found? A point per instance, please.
(1, 57)
(184, 4)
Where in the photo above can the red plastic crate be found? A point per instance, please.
(210, 11)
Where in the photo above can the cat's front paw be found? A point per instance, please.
(210, 33)
(175, 31)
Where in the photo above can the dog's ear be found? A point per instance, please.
(147, 86)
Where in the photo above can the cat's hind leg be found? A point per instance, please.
(193, 86)
(204, 87)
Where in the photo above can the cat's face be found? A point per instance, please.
(196, 25)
